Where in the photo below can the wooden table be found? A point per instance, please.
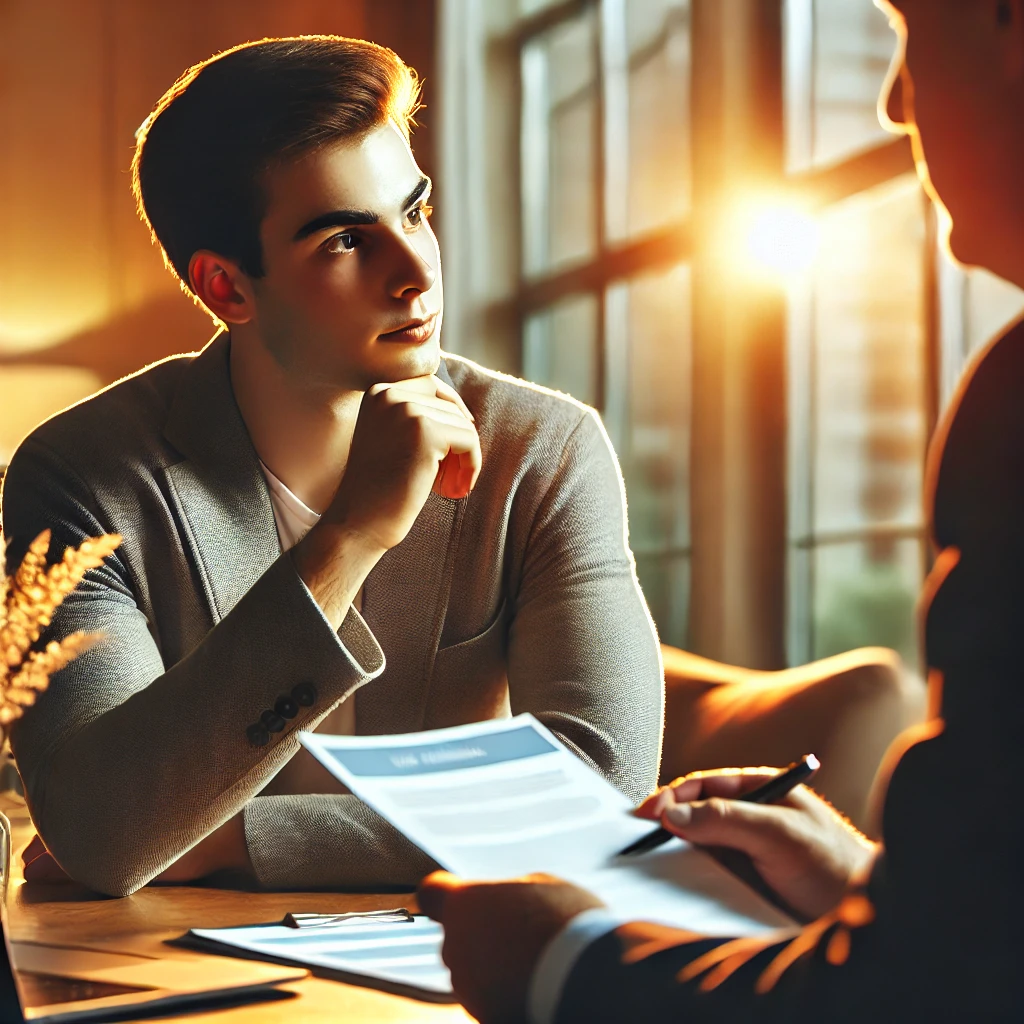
(140, 923)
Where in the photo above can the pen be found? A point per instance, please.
(768, 793)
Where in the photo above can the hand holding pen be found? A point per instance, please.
(766, 792)
(801, 847)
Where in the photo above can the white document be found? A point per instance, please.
(400, 956)
(503, 798)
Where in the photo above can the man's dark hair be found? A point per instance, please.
(201, 155)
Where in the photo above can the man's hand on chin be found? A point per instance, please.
(494, 934)
(411, 437)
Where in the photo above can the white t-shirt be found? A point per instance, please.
(293, 516)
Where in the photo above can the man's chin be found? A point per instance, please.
(405, 362)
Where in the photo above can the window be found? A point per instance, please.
(837, 56)
(604, 177)
(878, 336)
(859, 426)
(861, 353)
(975, 306)
(772, 436)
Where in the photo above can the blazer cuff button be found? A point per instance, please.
(258, 735)
(286, 707)
(304, 694)
(272, 720)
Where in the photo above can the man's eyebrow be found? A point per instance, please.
(422, 187)
(335, 219)
(350, 218)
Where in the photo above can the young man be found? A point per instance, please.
(937, 933)
(319, 502)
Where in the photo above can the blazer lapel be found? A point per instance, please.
(219, 490)
(405, 600)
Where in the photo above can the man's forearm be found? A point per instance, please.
(183, 753)
(334, 562)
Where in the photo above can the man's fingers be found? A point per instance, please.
(680, 791)
(757, 829)
(460, 464)
(446, 436)
(732, 784)
(456, 475)
(398, 396)
(433, 890)
(449, 417)
(724, 782)
(427, 389)
(445, 391)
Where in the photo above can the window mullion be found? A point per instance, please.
(614, 65)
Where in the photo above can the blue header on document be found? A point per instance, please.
(447, 756)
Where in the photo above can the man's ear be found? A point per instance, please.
(221, 286)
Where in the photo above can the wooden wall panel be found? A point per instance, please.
(80, 284)
(53, 214)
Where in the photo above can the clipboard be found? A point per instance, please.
(393, 951)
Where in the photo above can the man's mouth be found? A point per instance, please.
(415, 332)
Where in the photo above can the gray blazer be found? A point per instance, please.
(521, 597)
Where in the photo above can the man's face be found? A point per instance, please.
(351, 293)
(957, 86)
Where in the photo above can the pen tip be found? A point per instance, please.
(812, 762)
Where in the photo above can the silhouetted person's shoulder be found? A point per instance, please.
(977, 457)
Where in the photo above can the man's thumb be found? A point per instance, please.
(433, 890)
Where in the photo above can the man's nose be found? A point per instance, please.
(411, 272)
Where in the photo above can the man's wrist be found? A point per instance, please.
(224, 849)
(233, 850)
(333, 560)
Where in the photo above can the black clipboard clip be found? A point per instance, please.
(397, 916)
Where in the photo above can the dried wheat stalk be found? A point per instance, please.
(27, 603)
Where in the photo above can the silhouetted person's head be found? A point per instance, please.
(957, 85)
(278, 179)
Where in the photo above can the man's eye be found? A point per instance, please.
(345, 242)
(418, 214)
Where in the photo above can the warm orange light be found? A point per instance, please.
(769, 238)
(39, 320)
(783, 240)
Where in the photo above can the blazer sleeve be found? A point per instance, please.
(583, 653)
(644, 971)
(128, 762)
(934, 935)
